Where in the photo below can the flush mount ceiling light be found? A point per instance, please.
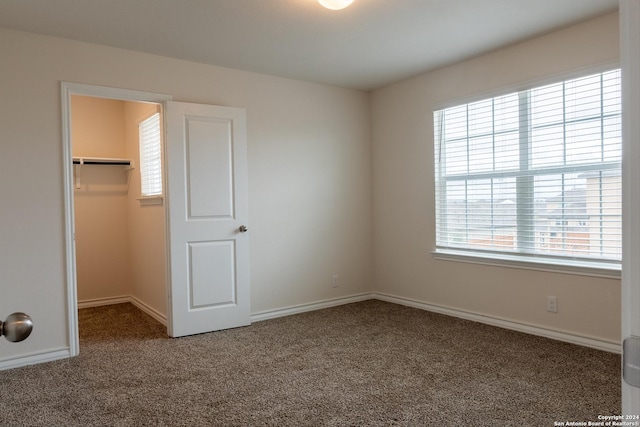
(335, 4)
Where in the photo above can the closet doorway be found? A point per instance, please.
(100, 158)
(118, 203)
(198, 255)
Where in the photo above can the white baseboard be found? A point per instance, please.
(34, 358)
(97, 302)
(587, 341)
(149, 310)
(560, 335)
(302, 308)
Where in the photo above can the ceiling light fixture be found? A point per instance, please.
(335, 4)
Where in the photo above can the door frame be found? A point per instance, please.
(67, 90)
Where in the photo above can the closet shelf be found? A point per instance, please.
(78, 162)
(101, 161)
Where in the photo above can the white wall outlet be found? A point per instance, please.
(334, 281)
(552, 304)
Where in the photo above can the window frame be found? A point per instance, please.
(540, 262)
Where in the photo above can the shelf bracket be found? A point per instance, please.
(128, 170)
(78, 167)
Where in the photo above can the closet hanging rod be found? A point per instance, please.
(100, 161)
(78, 162)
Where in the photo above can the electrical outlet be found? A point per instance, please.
(334, 281)
(552, 304)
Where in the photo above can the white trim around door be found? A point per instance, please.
(67, 90)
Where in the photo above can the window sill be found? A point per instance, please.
(151, 200)
(583, 268)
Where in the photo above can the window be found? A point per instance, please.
(535, 173)
(150, 157)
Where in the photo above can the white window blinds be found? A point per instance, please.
(150, 156)
(537, 172)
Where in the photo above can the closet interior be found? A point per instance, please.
(119, 235)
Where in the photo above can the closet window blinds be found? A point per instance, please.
(150, 157)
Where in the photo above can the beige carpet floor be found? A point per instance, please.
(365, 364)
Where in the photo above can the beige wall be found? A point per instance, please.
(102, 252)
(146, 224)
(309, 164)
(404, 223)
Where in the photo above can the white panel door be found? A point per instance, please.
(206, 164)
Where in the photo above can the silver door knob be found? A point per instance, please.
(243, 229)
(16, 327)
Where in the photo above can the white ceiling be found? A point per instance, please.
(368, 45)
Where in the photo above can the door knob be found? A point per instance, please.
(16, 327)
(243, 229)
